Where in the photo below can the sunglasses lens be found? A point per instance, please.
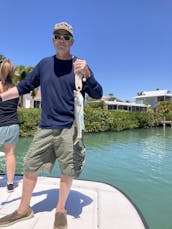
(65, 37)
(57, 37)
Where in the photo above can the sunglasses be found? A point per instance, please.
(64, 37)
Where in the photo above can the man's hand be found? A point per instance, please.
(81, 68)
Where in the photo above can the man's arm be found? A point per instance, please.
(93, 88)
(9, 94)
(90, 84)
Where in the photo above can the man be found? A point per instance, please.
(57, 133)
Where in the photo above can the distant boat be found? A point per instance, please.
(91, 205)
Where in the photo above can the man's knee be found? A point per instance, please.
(31, 176)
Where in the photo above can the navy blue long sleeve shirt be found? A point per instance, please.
(57, 93)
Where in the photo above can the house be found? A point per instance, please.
(30, 102)
(147, 99)
(127, 106)
(153, 97)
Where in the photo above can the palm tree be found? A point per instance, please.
(2, 57)
(21, 72)
(140, 93)
(111, 97)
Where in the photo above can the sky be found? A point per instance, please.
(126, 43)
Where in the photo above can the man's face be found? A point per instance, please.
(62, 40)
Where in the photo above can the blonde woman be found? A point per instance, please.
(9, 125)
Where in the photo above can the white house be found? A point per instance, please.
(30, 102)
(116, 105)
(153, 97)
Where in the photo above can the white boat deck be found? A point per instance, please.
(91, 205)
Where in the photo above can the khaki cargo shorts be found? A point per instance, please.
(51, 144)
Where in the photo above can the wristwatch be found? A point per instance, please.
(0, 99)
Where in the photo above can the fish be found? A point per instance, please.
(79, 107)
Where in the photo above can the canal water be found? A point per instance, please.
(139, 162)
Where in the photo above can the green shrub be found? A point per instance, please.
(29, 119)
(123, 120)
(145, 119)
(169, 116)
(96, 120)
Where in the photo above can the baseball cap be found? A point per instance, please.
(63, 25)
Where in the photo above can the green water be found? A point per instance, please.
(139, 162)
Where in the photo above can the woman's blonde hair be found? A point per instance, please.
(6, 74)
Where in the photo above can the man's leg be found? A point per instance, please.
(61, 214)
(24, 210)
(65, 185)
(29, 182)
